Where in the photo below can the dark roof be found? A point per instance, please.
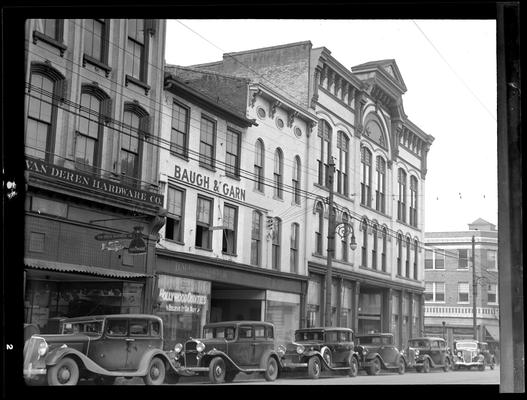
(323, 328)
(375, 334)
(241, 322)
(427, 338)
(118, 316)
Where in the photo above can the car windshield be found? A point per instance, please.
(374, 340)
(220, 332)
(86, 327)
(419, 343)
(466, 345)
(309, 336)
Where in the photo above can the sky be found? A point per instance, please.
(448, 66)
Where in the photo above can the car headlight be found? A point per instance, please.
(416, 352)
(300, 349)
(281, 350)
(459, 354)
(178, 347)
(42, 348)
(364, 351)
(200, 347)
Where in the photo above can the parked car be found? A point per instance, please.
(424, 353)
(314, 348)
(100, 347)
(377, 351)
(472, 353)
(228, 348)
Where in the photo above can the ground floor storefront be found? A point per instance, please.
(193, 290)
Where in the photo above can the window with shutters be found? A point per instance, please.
(96, 43)
(230, 223)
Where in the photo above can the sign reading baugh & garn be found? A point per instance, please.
(92, 182)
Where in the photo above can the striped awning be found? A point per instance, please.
(78, 268)
(493, 331)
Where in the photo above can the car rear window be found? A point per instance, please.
(245, 332)
(138, 327)
(222, 332)
(117, 327)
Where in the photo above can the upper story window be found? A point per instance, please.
(277, 238)
(43, 95)
(50, 31)
(319, 210)
(384, 248)
(232, 155)
(278, 174)
(180, 126)
(492, 293)
(463, 260)
(380, 191)
(435, 259)
(408, 255)
(365, 184)
(256, 238)
(401, 201)
(96, 40)
(343, 167)
(136, 62)
(324, 133)
(296, 180)
(374, 131)
(95, 110)
(364, 228)
(230, 223)
(344, 242)
(374, 251)
(416, 253)
(463, 289)
(204, 223)
(492, 260)
(259, 153)
(413, 201)
(399, 254)
(175, 212)
(294, 247)
(207, 143)
(136, 125)
(435, 292)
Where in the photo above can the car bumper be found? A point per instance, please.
(34, 372)
(293, 365)
(468, 364)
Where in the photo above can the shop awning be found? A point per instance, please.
(78, 268)
(494, 331)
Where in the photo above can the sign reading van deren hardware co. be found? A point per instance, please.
(92, 182)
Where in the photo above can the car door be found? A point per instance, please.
(341, 345)
(388, 352)
(139, 341)
(262, 342)
(435, 352)
(243, 349)
(110, 351)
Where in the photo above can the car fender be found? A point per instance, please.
(265, 357)
(59, 354)
(205, 361)
(432, 363)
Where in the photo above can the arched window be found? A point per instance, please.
(256, 238)
(259, 153)
(277, 238)
(380, 202)
(95, 105)
(294, 247)
(296, 180)
(365, 194)
(345, 220)
(324, 133)
(374, 247)
(278, 174)
(416, 251)
(319, 210)
(373, 130)
(135, 127)
(408, 255)
(401, 201)
(364, 226)
(343, 163)
(384, 249)
(45, 89)
(399, 254)
(413, 201)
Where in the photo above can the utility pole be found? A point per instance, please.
(331, 239)
(474, 290)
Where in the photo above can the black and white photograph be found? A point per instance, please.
(222, 202)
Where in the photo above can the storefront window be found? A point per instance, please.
(395, 319)
(406, 317)
(345, 308)
(369, 312)
(313, 301)
(183, 306)
(283, 310)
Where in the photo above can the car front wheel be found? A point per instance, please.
(155, 375)
(313, 367)
(426, 366)
(446, 368)
(375, 368)
(354, 367)
(271, 371)
(64, 373)
(217, 370)
(402, 367)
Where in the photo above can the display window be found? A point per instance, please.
(283, 310)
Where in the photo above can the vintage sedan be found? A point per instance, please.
(424, 353)
(472, 353)
(377, 351)
(100, 347)
(228, 348)
(315, 349)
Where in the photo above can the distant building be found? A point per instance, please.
(449, 283)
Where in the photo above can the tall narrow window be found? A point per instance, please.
(294, 248)
(50, 28)
(492, 293)
(463, 292)
(401, 201)
(342, 171)
(256, 238)
(408, 254)
(278, 174)
(364, 226)
(365, 194)
(384, 249)
(429, 259)
(175, 212)
(40, 117)
(374, 247)
(439, 262)
(50, 31)
(319, 210)
(232, 155)
(136, 55)
(230, 223)
(324, 133)
(96, 42)
(204, 224)
(130, 148)
(277, 237)
(380, 202)
(259, 166)
(463, 257)
(296, 180)
(180, 126)
(207, 143)
(399, 254)
(413, 201)
(345, 220)
(416, 252)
